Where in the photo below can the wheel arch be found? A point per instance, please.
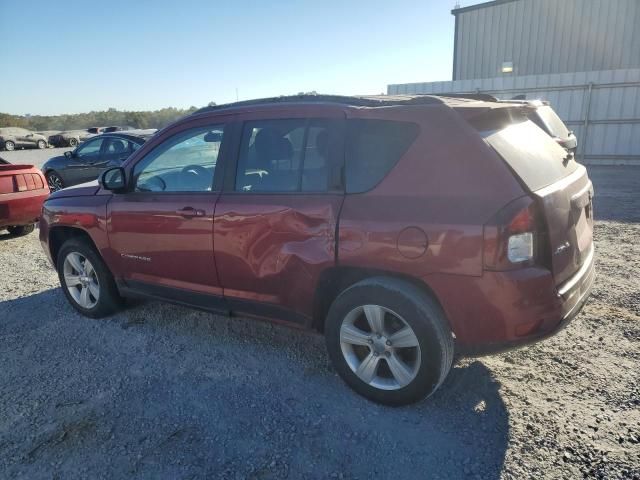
(335, 280)
(52, 169)
(60, 234)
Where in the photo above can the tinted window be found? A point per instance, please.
(116, 146)
(288, 155)
(185, 162)
(373, 147)
(534, 156)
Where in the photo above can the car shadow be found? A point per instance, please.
(130, 394)
(5, 235)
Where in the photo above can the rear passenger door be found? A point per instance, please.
(115, 151)
(275, 223)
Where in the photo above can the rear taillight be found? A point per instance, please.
(22, 182)
(513, 237)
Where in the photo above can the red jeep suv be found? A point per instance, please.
(403, 228)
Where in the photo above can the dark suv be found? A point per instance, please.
(403, 228)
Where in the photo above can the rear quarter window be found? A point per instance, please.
(373, 147)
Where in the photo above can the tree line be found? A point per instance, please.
(78, 121)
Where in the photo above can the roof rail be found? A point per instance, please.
(358, 101)
(485, 97)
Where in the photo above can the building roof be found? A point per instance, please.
(478, 6)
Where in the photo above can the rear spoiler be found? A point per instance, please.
(495, 117)
(483, 97)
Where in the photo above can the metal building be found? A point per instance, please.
(581, 55)
(534, 37)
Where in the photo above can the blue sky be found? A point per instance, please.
(75, 56)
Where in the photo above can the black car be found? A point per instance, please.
(90, 159)
(117, 128)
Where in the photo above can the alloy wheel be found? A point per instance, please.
(55, 182)
(81, 280)
(380, 347)
(9, 146)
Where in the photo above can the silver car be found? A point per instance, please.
(16, 137)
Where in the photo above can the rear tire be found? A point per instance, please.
(21, 230)
(9, 146)
(86, 281)
(41, 144)
(73, 142)
(384, 365)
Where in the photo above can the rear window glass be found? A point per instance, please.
(373, 148)
(533, 155)
(554, 124)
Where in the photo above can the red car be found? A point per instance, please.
(403, 228)
(23, 189)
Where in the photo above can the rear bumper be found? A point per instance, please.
(504, 310)
(21, 208)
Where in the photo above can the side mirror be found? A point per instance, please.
(68, 154)
(113, 179)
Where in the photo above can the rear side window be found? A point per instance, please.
(532, 154)
(373, 147)
(289, 155)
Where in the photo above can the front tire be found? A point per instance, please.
(54, 181)
(389, 341)
(9, 146)
(21, 230)
(86, 281)
(73, 142)
(41, 144)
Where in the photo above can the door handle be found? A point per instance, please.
(190, 212)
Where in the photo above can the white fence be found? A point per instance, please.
(602, 108)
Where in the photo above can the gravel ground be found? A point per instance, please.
(163, 391)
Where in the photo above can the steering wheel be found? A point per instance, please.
(196, 170)
(153, 184)
(198, 173)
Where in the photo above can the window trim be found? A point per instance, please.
(217, 181)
